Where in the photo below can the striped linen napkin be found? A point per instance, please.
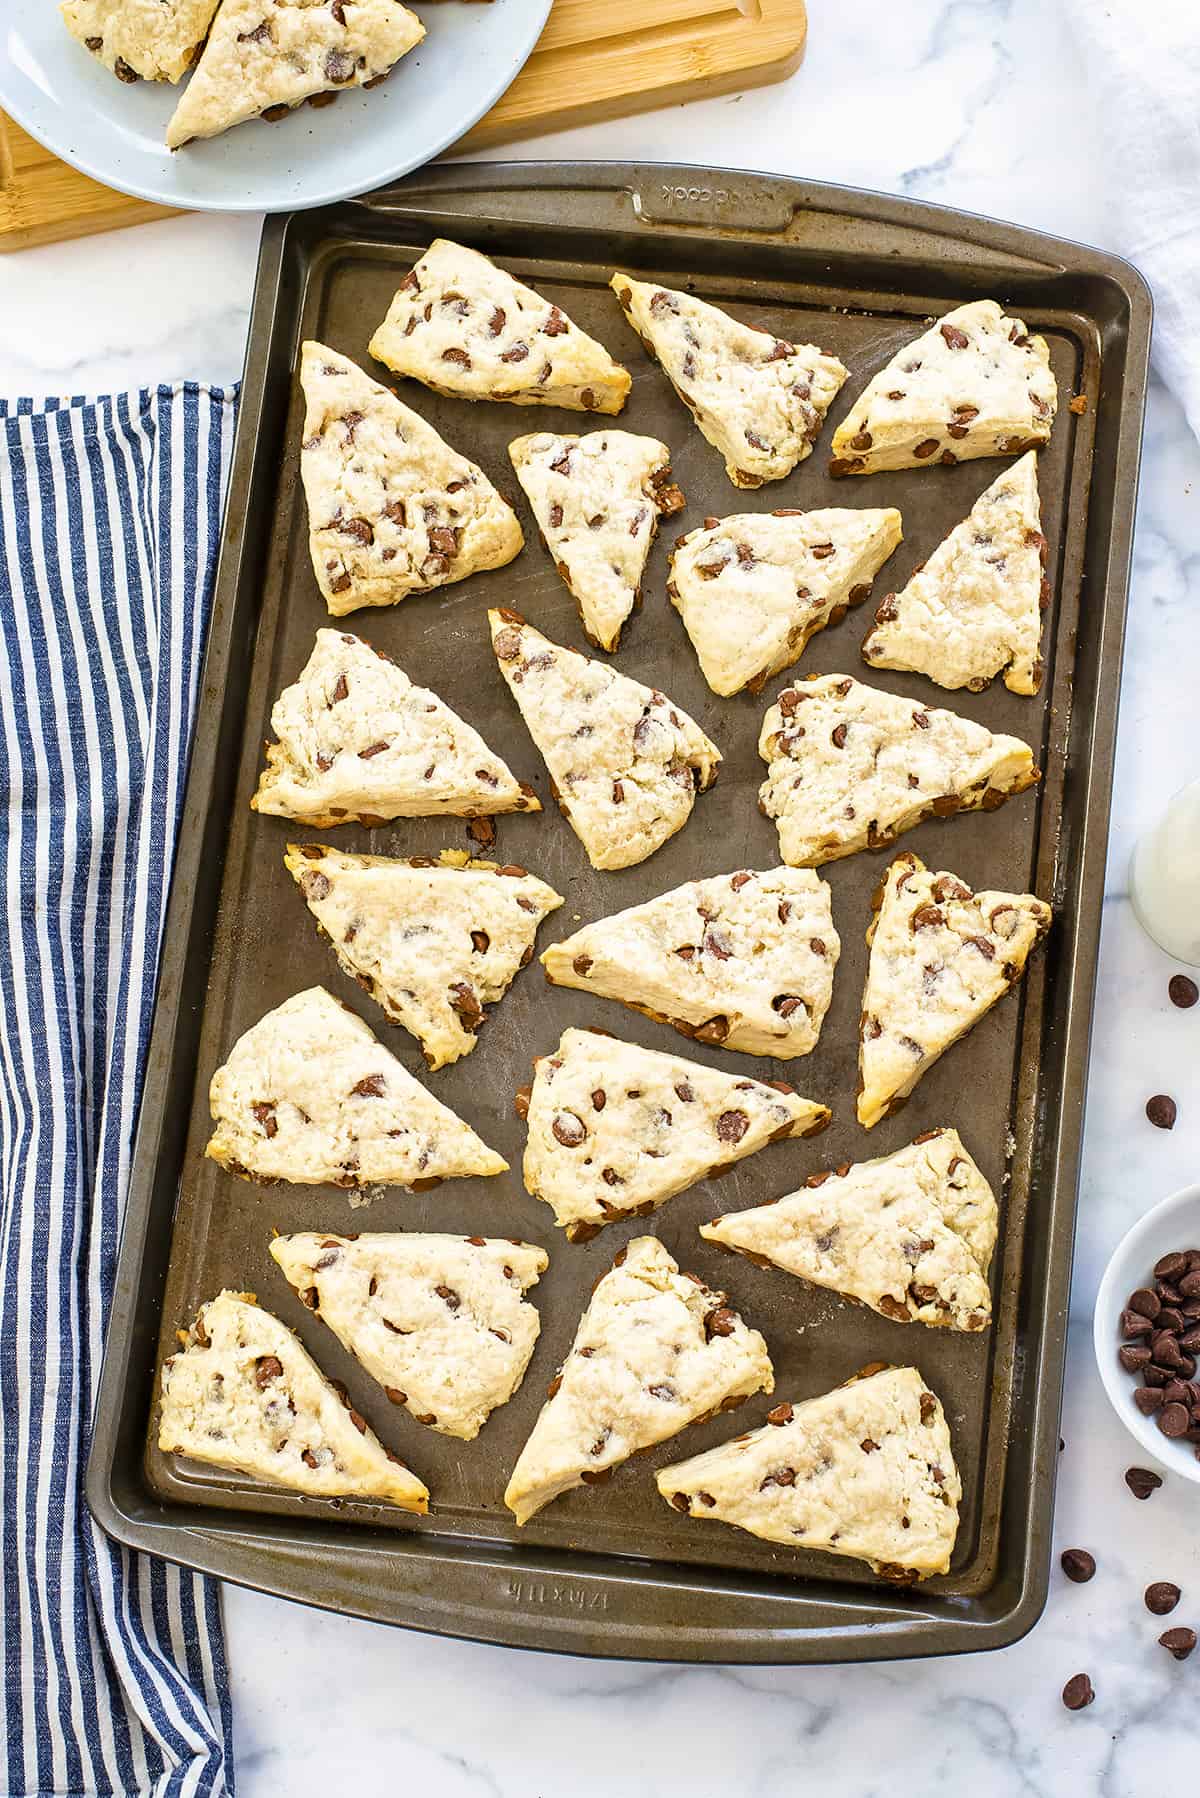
(114, 1669)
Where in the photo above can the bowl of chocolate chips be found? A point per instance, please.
(1147, 1332)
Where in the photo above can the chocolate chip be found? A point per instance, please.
(372, 1086)
(1141, 1481)
(568, 1129)
(1162, 1111)
(1078, 1692)
(1182, 991)
(1174, 1420)
(1145, 1301)
(1179, 1641)
(720, 1322)
(269, 1367)
(732, 1126)
(780, 1415)
(454, 354)
(1162, 1597)
(1078, 1565)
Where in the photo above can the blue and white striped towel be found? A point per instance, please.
(114, 1670)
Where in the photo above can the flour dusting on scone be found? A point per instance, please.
(615, 1129)
(466, 328)
(441, 1322)
(392, 509)
(758, 399)
(310, 1096)
(156, 40)
(865, 1471)
(911, 1234)
(975, 384)
(625, 763)
(743, 960)
(655, 1350)
(752, 590)
(597, 500)
(941, 956)
(432, 942)
(850, 767)
(245, 1395)
(974, 609)
(265, 56)
(359, 742)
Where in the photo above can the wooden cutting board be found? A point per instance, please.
(596, 59)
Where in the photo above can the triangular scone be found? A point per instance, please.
(615, 1129)
(866, 1470)
(309, 1095)
(359, 741)
(850, 767)
(911, 1235)
(941, 956)
(625, 763)
(440, 1321)
(745, 960)
(759, 400)
(158, 42)
(466, 328)
(975, 384)
(432, 942)
(597, 500)
(265, 56)
(975, 608)
(753, 589)
(245, 1394)
(392, 509)
(655, 1351)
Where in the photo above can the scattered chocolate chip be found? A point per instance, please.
(1078, 1565)
(1078, 1692)
(1183, 991)
(1162, 1111)
(1162, 1597)
(1179, 1641)
(1141, 1481)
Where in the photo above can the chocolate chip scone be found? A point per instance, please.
(745, 960)
(757, 399)
(941, 956)
(358, 741)
(975, 384)
(655, 1351)
(466, 328)
(911, 1234)
(866, 1471)
(245, 1395)
(851, 768)
(264, 57)
(615, 1129)
(752, 590)
(597, 500)
(432, 942)
(974, 609)
(440, 1321)
(156, 40)
(392, 509)
(626, 764)
(310, 1096)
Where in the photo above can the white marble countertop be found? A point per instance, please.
(980, 104)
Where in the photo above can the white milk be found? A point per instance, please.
(1164, 878)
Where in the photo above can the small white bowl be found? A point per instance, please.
(1174, 1224)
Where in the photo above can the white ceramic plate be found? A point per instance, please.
(1174, 1224)
(70, 102)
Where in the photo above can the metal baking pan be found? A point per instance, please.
(614, 1571)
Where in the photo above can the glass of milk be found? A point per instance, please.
(1164, 878)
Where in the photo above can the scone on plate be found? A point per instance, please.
(911, 1234)
(625, 763)
(655, 1351)
(441, 1322)
(850, 767)
(941, 956)
(752, 590)
(466, 328)
(597, 500)
(974, 609)
(158, 40)
(745, 960)
(392, 509)
(265, 56)
(357, 741)
(865, 1471)
(615, 1129)
(975, 384)
(759, 400)
(245, 1395)
(432, 942)
(310, 1096)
